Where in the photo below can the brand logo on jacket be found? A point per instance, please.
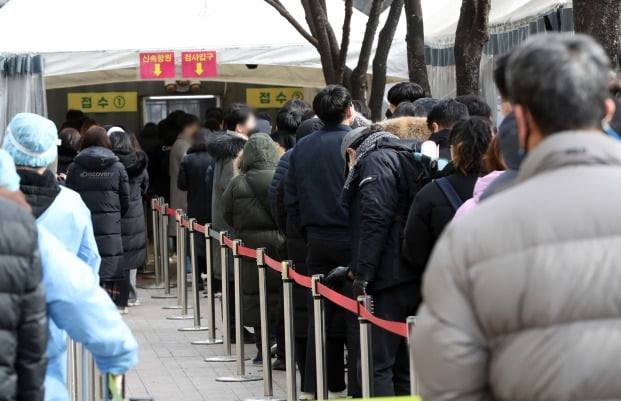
(96, 175)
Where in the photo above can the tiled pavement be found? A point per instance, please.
(171, 368)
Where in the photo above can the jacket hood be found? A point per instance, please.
(134, 162)
(225, 145)
(571, 149)
(483, 183)
(407, 127)
(509, 143)
(96, 158)
(260, 153)
(40, 189)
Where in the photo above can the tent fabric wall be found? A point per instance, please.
(22, 87)
(259, 35)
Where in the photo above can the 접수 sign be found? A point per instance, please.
(271, 98)
(103, 102)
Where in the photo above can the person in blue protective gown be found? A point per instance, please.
(31, 141)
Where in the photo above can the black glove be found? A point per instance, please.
(359, 287)
(336, 276)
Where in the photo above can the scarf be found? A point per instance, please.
(366, 147)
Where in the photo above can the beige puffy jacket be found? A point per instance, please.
(523, 295)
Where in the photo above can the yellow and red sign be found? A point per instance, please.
(159, 65)
(199, 64)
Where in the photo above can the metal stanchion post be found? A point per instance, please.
(411, 324)
(287, 291)
(211, 309)
(226, 322)
(163, 252)
(320, 333)
(156, 242)
(71, 370)
(268, 388)
(182, 279)
(241, 375)
(195, 277)
(366, 349)
(95, 389)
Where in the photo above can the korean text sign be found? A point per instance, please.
(159, 65)
(103, 102)
(199, 64)
(271, 98)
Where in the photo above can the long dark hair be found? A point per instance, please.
(121, 142)
(469, 141)
(95, 136)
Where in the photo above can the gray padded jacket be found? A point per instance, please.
(523, 295)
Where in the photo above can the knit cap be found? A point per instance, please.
(31, 140)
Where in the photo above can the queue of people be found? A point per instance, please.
(52, 265)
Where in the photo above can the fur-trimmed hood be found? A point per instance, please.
(225, 145)
(407, 127)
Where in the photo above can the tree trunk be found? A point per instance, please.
(602, 20)
(359, 74)
(417, 67)
(470, 37)
(342, 60)
(380, 61)
(319, 27)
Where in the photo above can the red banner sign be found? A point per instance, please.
(157, 65)
(200, 64)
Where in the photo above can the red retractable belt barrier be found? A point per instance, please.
(273, 264)
(199, 228)
(247, 252)
(341, 300)
(228, 242)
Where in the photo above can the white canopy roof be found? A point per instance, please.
(97, 41)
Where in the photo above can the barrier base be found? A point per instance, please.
(164, 296)
(200, 328)
(174, 307)
(206, 342)
(239, 379)
(223, 358)
(152, 287)
(182, 317)
(266, 398)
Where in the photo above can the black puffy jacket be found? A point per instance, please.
(65, 157)
(430, 213)
(378, 201)
(102, 182)
(196, 177)
(23, 322)
(133, 223)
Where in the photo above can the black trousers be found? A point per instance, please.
(322, 257)
(391, 368)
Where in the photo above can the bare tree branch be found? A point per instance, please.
(321, 33)
(287, 15)
(342, 60)
(470, 36)
(359, 75)
(602, 20)
(415, 38)
(380, 61)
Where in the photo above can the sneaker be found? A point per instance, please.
(273, 350)
(122, 310)
(258, 360)
(133, 303)
(307, 396)
(279, 364)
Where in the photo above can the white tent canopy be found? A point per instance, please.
(97, 41)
